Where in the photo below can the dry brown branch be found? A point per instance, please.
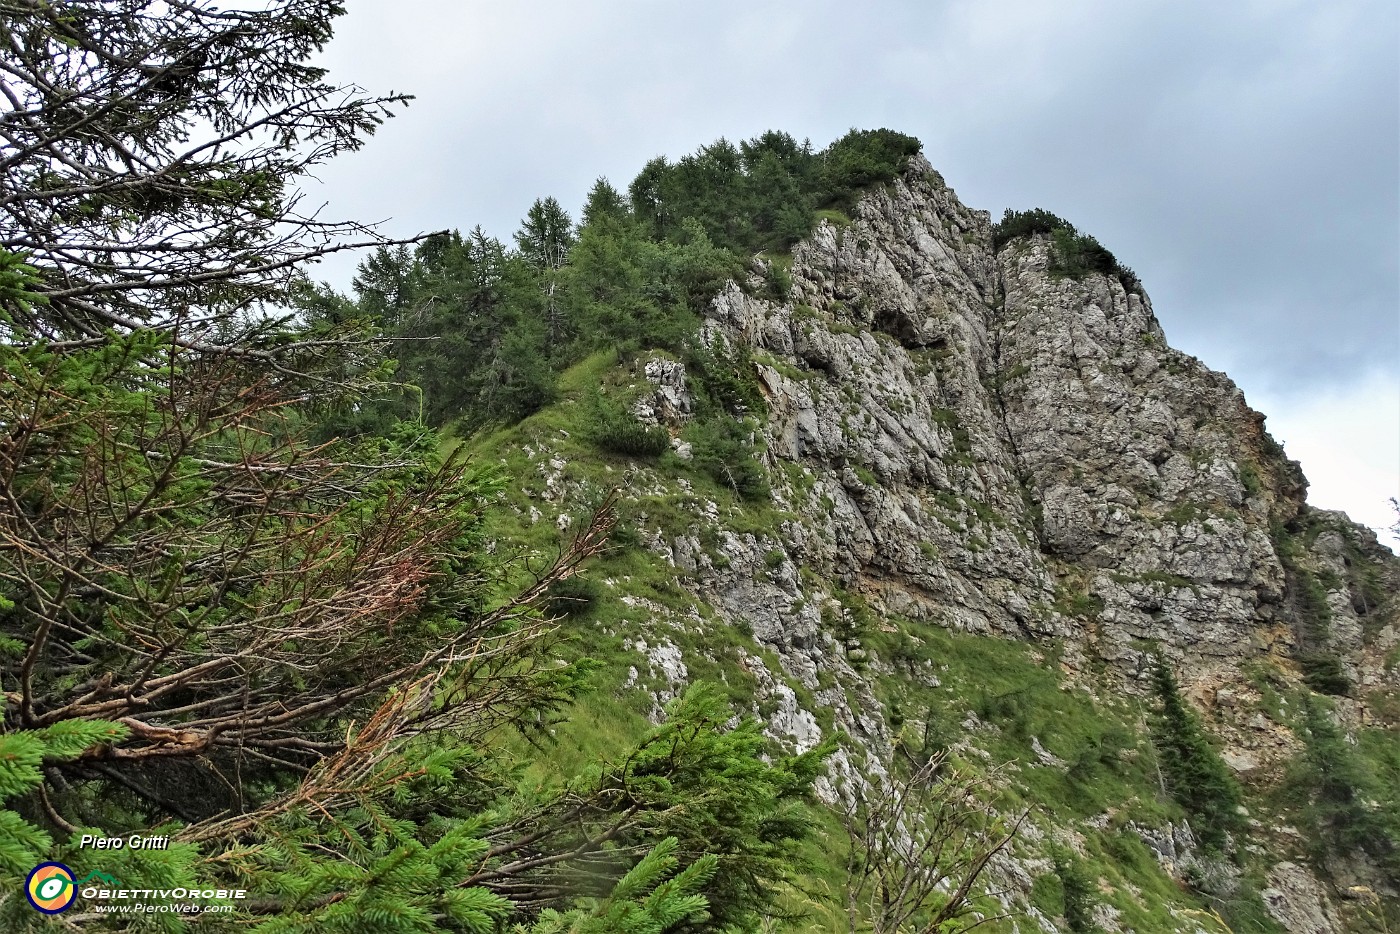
(183, 562)
(456, 687)
(919, 846)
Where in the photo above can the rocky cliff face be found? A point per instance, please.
(959, 438)
(980, 436)
(1037, 432)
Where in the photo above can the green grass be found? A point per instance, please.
(1015, 689)
(1160, 579)
(1109, 765)
(1020, 698)
(835, 217)
(1076, 602)
(586, 375)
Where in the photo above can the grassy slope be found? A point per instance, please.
(991, 695)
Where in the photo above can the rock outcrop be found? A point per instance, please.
(957, 434)
(986, 440)
(970, 439)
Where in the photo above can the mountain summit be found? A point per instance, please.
(980, 505)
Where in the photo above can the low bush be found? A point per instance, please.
(572, 596)
(1026, 223)
(1074, 255)
(1345, 796)
(1323, 672)
(612, 427)
(862, 158)
(721, 448)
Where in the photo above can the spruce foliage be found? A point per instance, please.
(650, 899)
(23, 753)
(1195, 775)
(1350, 806)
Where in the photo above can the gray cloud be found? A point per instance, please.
(1244, 158)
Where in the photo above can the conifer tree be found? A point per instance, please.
(291, 656)
(1349, 805)
(604, 201)
(546, 234)
(151, 157)
(1195, 775)
(1079, 890)
(544, 239)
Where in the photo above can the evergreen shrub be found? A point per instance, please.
(1074, 255)
(572, 596)
(1077, 888)
(611, 427)
(860, 159)
(1015, 224)
(1323, 672)
(1343, 794)
(1195, 775)
(721, 449)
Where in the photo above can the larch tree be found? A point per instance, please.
(544, 239)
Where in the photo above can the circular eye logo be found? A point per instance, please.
(50, 888)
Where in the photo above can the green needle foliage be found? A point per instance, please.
(1342, 793)
(443, 843)
(749, 812)
(1079, 892)
(1195, 775)
(1074, 255)
(648, 900)
(613, 428)
(23, 753)
(243, 599)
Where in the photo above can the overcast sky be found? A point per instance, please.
(1242, 157)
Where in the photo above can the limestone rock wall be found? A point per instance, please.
(966, 438)
(1005, 451)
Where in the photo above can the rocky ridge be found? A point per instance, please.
(956, 435)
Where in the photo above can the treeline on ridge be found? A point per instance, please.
(482, 330)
